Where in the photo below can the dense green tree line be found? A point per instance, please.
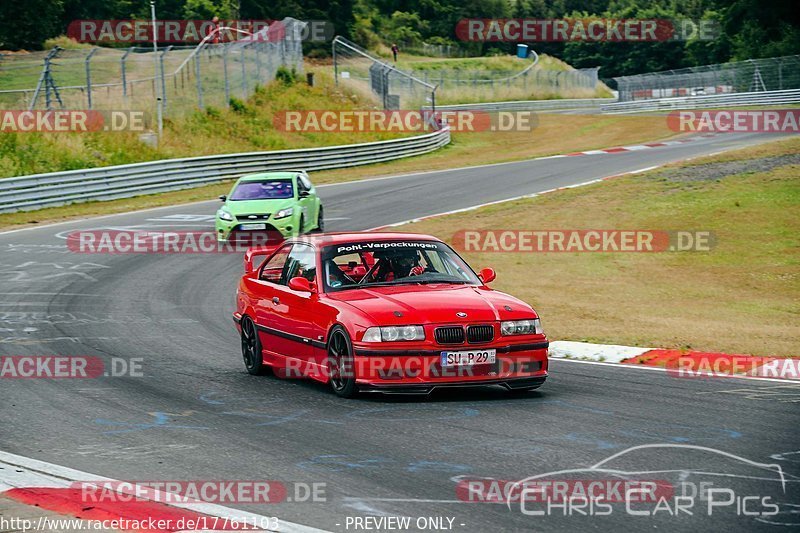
(749, 28)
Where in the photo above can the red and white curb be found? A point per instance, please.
(607, 353)
(52, 487)
(681, 363)
(635, 147)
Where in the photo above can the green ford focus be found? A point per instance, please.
(271, 201)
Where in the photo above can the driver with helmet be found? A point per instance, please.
(396, 264)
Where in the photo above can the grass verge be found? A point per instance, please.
(555, 134)
(741, 297)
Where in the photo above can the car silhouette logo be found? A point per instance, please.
(461, 314)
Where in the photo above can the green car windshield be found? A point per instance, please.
(263, 190)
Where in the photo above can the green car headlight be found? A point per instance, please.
(521, 327)
(224, 214)
(283, 213)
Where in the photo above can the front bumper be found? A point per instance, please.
(517, 366)
(283, 226)
(401, 388)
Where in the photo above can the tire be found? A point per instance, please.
(251, 348)
(340, 361)
(300, 225)
(320, 220)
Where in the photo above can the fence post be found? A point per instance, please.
(335, 64)
(89, 76)
(199, 81)
(163, 81)
(122, 70)
(225, 74)
(257, 49)
(244, 75)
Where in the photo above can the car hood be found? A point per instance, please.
(434, 304)
(246, 207)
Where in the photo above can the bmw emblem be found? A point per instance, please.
(461, 314)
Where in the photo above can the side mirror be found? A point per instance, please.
(303, 194)
(223, 197)
(301, 284)
(487, 275)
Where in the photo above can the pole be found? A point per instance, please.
(89, 77)
(159, 103)
(225, 75)
(124, 77)
(199, 82)
(163, 78)
(335, 64)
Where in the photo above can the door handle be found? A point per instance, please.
(276, 300)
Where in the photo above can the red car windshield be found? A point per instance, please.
(381, 263)
(263, 190)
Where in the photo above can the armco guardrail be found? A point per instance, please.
(529, 105)
(791, 96)
(107, 183)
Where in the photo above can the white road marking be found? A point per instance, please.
(521, 197)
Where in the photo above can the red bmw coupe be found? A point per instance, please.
(384, 312)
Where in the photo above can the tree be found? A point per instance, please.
(27, 24)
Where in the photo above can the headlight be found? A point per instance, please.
(394, 333)
(521, 327)
(283, 213)
(224, 214)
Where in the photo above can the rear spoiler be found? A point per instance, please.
(252, 254)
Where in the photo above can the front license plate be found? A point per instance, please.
(249, 227)
(468, 358)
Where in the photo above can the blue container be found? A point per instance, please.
(522, 51)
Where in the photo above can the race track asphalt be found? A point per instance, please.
(197, 415)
